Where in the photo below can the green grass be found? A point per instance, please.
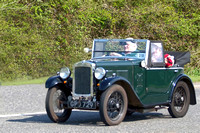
(43, 79)
(195, 78)
(25, 81)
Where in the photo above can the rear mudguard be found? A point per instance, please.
(132, 96)
(188, 81)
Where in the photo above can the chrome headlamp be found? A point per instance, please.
(65, 72)
(99, 73)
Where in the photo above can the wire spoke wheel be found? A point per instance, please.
(58, 107)
(180, 100)
(55, 108)
(113, 105)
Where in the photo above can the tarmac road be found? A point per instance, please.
(22, 110)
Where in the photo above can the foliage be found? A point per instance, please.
(37, 37)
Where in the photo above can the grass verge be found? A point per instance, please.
(195, 78)
(43, 79)
(25, 81)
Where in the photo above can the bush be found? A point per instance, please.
(38, 37)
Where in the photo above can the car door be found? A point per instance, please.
(156, 81)
(156, 86)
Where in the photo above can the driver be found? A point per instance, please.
(128, 48)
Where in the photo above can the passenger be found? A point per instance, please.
(169, 60)
(156, 54)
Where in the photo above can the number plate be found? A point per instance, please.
(84, 104)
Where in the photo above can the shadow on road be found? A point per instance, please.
(87, 118)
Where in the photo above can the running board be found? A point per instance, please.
(156, 108)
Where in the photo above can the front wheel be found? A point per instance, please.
(55, 108)
(180, 100)
(113, 105)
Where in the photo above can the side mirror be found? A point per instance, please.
(87, 50)
(143, 64)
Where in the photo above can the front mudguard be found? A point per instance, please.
(53, 81)
(133, 99)
(106, 83)
(56, 80)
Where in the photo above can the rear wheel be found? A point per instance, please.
(55, 108)
(113, 105)
(180, 100)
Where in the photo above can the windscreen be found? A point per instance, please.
(119, 48)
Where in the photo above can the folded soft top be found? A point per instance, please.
(181, 58)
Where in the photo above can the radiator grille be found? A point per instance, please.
(82, 80)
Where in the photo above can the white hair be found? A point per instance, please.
(129, 38)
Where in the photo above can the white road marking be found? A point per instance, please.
(23, 114)
(34, 113)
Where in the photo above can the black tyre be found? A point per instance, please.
(180, 100)
(55, 107)
(113, 105)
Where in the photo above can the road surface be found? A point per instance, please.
(22, 110)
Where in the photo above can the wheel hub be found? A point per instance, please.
(179, 100)
(59, 104)
(182, 99)
(113, 105)
(117, 105)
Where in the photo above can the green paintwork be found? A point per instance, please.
(158, 83)
(153, 83)
(122, 68)
(150, 85)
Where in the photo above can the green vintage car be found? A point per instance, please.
(123, 76)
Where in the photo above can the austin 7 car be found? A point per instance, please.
(123, 76)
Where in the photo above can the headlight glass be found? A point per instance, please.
(65, 72)
(99, 73)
